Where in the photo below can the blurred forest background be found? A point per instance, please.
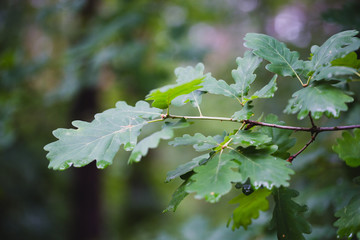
(69, 59)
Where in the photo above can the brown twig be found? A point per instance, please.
(292, 157)
(314, 130)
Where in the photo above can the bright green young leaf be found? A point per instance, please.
(247, 138)
(349, 219)
(282, 60)
(262, 168)
(214, 179)
(163, 96)
(348, 148)
(244, 74)
(177, 197)
(267, 91)
(244, 114)
(152, 141)
(288, 215)
(100, 139)
(249, 207)
(337, 46)
(318, 99)
(351, 60)
(280, 137)
(186, 167)
(199, 142)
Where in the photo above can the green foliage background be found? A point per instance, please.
(67, 60)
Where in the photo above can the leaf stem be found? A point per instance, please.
(297, 76)
(308, 81)
(200, 118)
(197, 104)
(156, 120)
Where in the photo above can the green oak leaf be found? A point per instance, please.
(199, 142)
(244, 74)
(334, 73)
(288, 215)
(177, 197)
(249, 207)
(244, 114)
(152, 141)
(185, 75)
(351, 60)
(348, 148)
(195, 98)
(337, 46)
(282, 60)
(262, 168)
(349, 219)
(266, 92)
(214, 179)
(280, 137)
(100, 139)
(243, 77)
(220, 87)
(186, 167)
(162, 97)
(318, 98)
(340, 69)
(246, 138)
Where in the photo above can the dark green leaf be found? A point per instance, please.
(177, 197)
(349, 219)
(267, 91)
(199, 142)
(244, 114)
(249, 207)
(348, 148)
(334, 73)
(288, 215)
(100, 139)
(280, 137)
(186, 167)
(318, 99)
(262, 168)
(283, 61)
(213, 180)
(163, 96)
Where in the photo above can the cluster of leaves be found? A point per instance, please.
(247, 156)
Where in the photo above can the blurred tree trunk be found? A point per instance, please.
(87, 220)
